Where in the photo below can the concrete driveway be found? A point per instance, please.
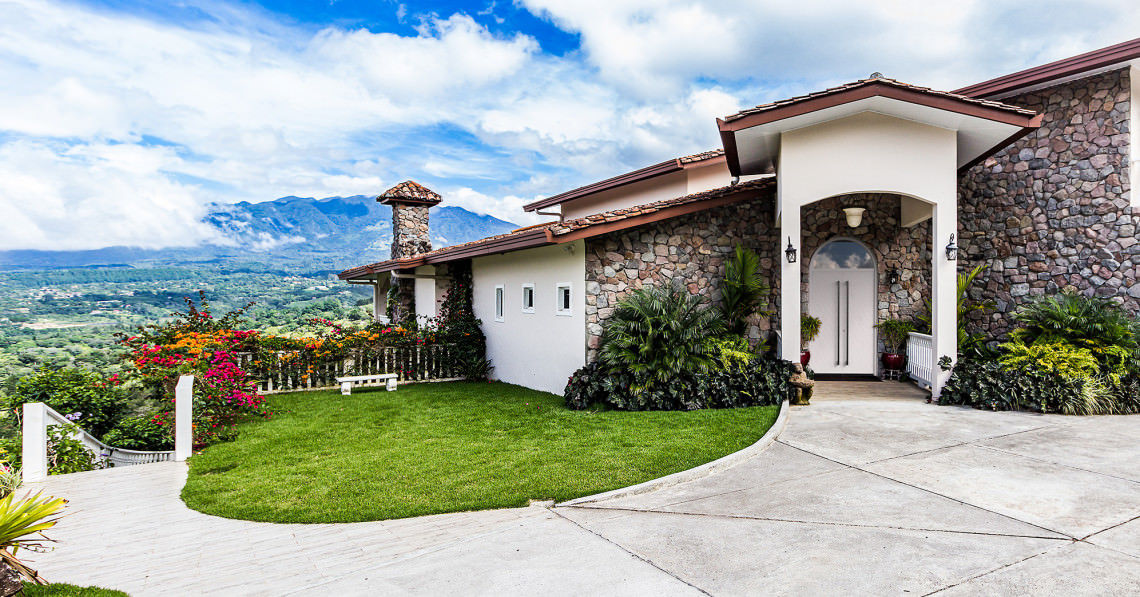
(886, 496)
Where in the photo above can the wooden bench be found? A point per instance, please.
(346, 382)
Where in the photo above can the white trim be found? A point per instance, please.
(558, 302)
(525, 287)
(1133, 134)
(500, 302)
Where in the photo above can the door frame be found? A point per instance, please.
(876, 364)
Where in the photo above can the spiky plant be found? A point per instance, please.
(744, 290)
(1071, 317)
(22, 523)
(659, 333)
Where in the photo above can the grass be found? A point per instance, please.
(433, 448)
(66, 590)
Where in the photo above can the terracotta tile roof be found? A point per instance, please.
(700, 157)
(883, 81)
(617, 215)
(410, 191)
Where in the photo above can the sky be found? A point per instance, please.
(121, 121)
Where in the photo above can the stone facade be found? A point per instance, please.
(409, 237)
(409, 230)
(1052, 210)
(690, 252)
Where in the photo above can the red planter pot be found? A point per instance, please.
(805, 357)
(894, 362)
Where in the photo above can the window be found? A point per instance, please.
(499, 295)
(528, 298)
(562, 295)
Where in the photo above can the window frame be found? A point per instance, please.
(528, 286)
(558, 309)
(500, 302)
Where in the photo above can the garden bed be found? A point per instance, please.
(447, 447)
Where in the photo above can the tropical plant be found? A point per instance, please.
(1077, 319)
(659, 333)
(22, 523)
(10, 479)
(732, 353)
(967, 343)
(744, 290)
(809, 329)
(895, 333)
(1057, 358)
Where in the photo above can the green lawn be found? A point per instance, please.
(432, 448)
(66, 590)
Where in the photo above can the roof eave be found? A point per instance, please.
(1060, 69)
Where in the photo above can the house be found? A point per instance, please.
(863, 201)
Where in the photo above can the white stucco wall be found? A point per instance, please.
(538, 350)
(1134, 134)
(427, 294)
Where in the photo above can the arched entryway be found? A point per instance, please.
(841, 293)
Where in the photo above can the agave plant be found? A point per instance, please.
(744, 290)
(659, 333)
(22, 523)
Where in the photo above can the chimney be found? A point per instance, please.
(410, 202)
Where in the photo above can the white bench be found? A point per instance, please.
(346, 382)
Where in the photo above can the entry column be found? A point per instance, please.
(944, 290)
(789, 216)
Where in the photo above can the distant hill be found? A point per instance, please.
(288, 233)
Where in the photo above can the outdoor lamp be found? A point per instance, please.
(893, 276)
(952, 249)
(790, 251)
(854, 215)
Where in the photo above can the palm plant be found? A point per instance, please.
(809, 329)
(659, 333)
(1071, 317)
(22, 523)
(744, 290)
(966, 342)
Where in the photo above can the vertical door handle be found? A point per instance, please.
(838, 322)
(847, 325)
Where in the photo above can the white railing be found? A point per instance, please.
(39, 416)
(432, 362)
(920, 358)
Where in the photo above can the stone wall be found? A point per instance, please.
(1052, 210)
(690, 252)
(687, 251)
(409, 230)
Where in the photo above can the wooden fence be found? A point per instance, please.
(433, 362)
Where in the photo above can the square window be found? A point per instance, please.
(500, 292)
(528, 298)
(563, 295)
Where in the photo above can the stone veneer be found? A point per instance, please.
(1052, 210)
(690, 252)
(409, 237)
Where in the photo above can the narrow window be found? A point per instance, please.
(499, 293)
(563, 296)
(528, 298)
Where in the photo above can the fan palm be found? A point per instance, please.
(659, 333)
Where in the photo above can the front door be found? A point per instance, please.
(841, 293)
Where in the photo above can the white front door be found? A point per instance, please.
(841, 293)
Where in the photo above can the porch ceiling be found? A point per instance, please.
(752, 138)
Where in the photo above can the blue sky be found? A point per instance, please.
(121, 121)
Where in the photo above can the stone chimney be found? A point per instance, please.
(410, 202)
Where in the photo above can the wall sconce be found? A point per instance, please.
(952, 249)
(854, 215)
(893, 276)
(790, 251)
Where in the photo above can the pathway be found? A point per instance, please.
(856, 497)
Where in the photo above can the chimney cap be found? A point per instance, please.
(410, 192)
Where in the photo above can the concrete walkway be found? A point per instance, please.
(856, 497)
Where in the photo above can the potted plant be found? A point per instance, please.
(894, 333)
(809, 329)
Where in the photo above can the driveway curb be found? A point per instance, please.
(698, 472)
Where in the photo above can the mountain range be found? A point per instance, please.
(287, 233)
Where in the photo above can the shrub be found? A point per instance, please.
(140, 433)
(762, 382)
(68, 455)
(1054, 358)
(89, 400)
(659, 334)
(990, 385)
(744, 290)
(809, 329)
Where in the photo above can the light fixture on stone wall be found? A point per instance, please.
(790, 251)
(854, 215)
(952, 249)
(893, 276)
